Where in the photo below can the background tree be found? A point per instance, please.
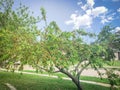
(109, 39)
(116, 41)
(106, 38)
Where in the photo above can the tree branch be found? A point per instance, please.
(79, 72)
(99, 73)
(76, 68)
(67, 73)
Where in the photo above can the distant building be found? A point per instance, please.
(117, 55)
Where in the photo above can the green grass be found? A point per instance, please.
(87, 78)
(35, 82)
(3, 87)
(95, 79)
(113, 63)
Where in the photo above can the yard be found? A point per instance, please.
(35, 82)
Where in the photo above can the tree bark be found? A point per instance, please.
(78, 86)
(74, 79)
(78, 83)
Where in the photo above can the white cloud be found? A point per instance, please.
(81, 20)
(90, 3)
(107, 18)
(117, 28)
(96, 12)
(79, 3)
(118, 10)
(110, 18)
(104, 20)
(87, 18)
(99, 10)
(89, 13)
(84, 7)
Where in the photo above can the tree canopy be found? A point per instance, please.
(17, 32)
(109, 38)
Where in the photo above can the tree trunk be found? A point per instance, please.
(112, 87)
(79, 87)
(77, 83)
(74, 79)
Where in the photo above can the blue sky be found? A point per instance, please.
(91, 15)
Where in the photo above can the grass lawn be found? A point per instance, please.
(3, 87)
(88, 78)
(34, 82)
(115, 63)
